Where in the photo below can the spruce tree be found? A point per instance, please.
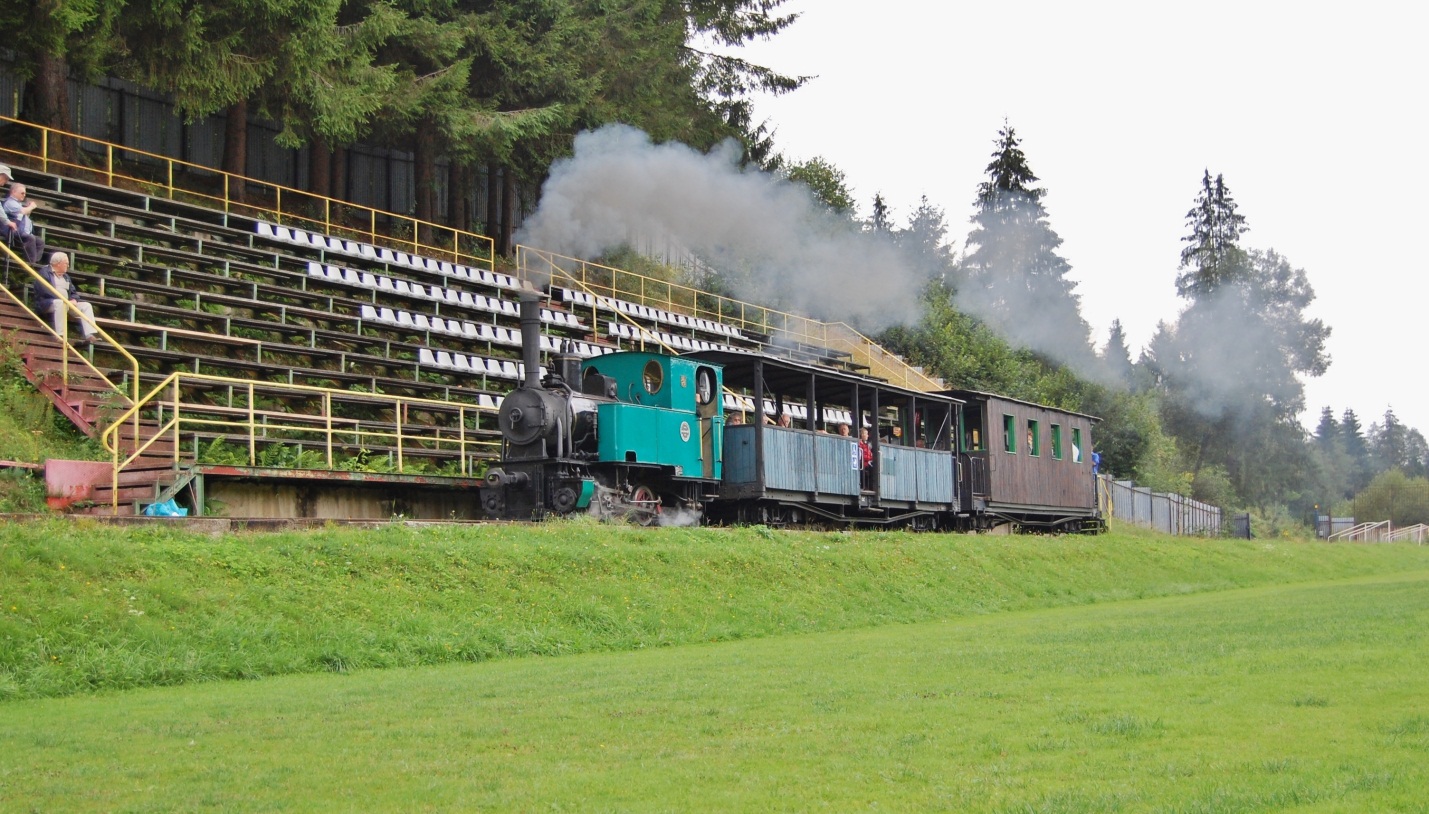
(1015, 279)
(1213, 256)
(1116, 356)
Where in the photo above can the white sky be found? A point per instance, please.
(1315, 116)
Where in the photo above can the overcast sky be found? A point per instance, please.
(1316, 118)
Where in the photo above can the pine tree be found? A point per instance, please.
(1389, 443)
(1229, 366)
(1357, 449)
(1116, 356)
(1016, 281)
(1327, 433)
(1213, 256)
(882, 220)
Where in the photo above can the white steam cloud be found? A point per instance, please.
(771, 241)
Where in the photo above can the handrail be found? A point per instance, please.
(1419, 531)
(66, 347)
(532, 263)
(1360, 531)
(291, 210)
(248, 420)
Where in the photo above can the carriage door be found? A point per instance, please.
(707, 407)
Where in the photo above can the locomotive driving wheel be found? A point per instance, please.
(644, 506)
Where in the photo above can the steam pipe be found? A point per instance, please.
(531, 338)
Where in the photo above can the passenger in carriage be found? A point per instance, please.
(865, 459)
(786, 421)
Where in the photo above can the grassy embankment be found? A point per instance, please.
(1307, 697)
(85, 607)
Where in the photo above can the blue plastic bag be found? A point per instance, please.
(166, 509)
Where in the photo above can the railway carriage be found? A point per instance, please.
(808, 472)
(1027, 464)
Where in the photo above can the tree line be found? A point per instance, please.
(495, 86)
(1209, 408)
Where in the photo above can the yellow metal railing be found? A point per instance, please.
(161, 176)
(70, 355)
(404, 425)
(535, 265)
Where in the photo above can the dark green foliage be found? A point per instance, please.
(827, 183)
(1012, 276)
(1213, 256)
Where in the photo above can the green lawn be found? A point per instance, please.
(1311, 697)
(87, 608)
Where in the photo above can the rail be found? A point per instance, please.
(181, 180)
(1364, 532)
(774, 326)
(70, 352)
(1417, 533)
(405, 426)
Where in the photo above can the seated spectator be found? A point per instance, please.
(785, 420)
(843, 429)
(18, 229)
(57, 275)
(735, 419)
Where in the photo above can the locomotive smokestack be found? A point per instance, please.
(531, 338)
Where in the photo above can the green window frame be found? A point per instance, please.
(1034, 438)
(1009, 434)
(1057, 442)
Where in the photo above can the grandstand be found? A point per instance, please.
(291, 358)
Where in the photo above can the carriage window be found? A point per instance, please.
(1034, 438)
(1057, 441)
(972, 429)
(1009, 434)
(654, 376)
(1076, 445)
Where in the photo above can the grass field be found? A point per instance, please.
(86, 607)
(1308, 697)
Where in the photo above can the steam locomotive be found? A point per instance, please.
(731, 436)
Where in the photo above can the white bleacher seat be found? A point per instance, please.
(386, 315)
(317, 241)
(404, 318)
(466, 298)
(469, 330)
(509, 308)
(451, 295)
(365, 250)
(444, 358)
(486, 401)
(445, 268)
(421, 322)
(509, 371)
(729, 402)
(426, 357)
(486, 332)
(461, 362)
(352, 276)
(369, 312)
(336, 244)
(315, 269)
(296, 236)
(508, 336)
(549, 345)
(401, 287)
(265, 229)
